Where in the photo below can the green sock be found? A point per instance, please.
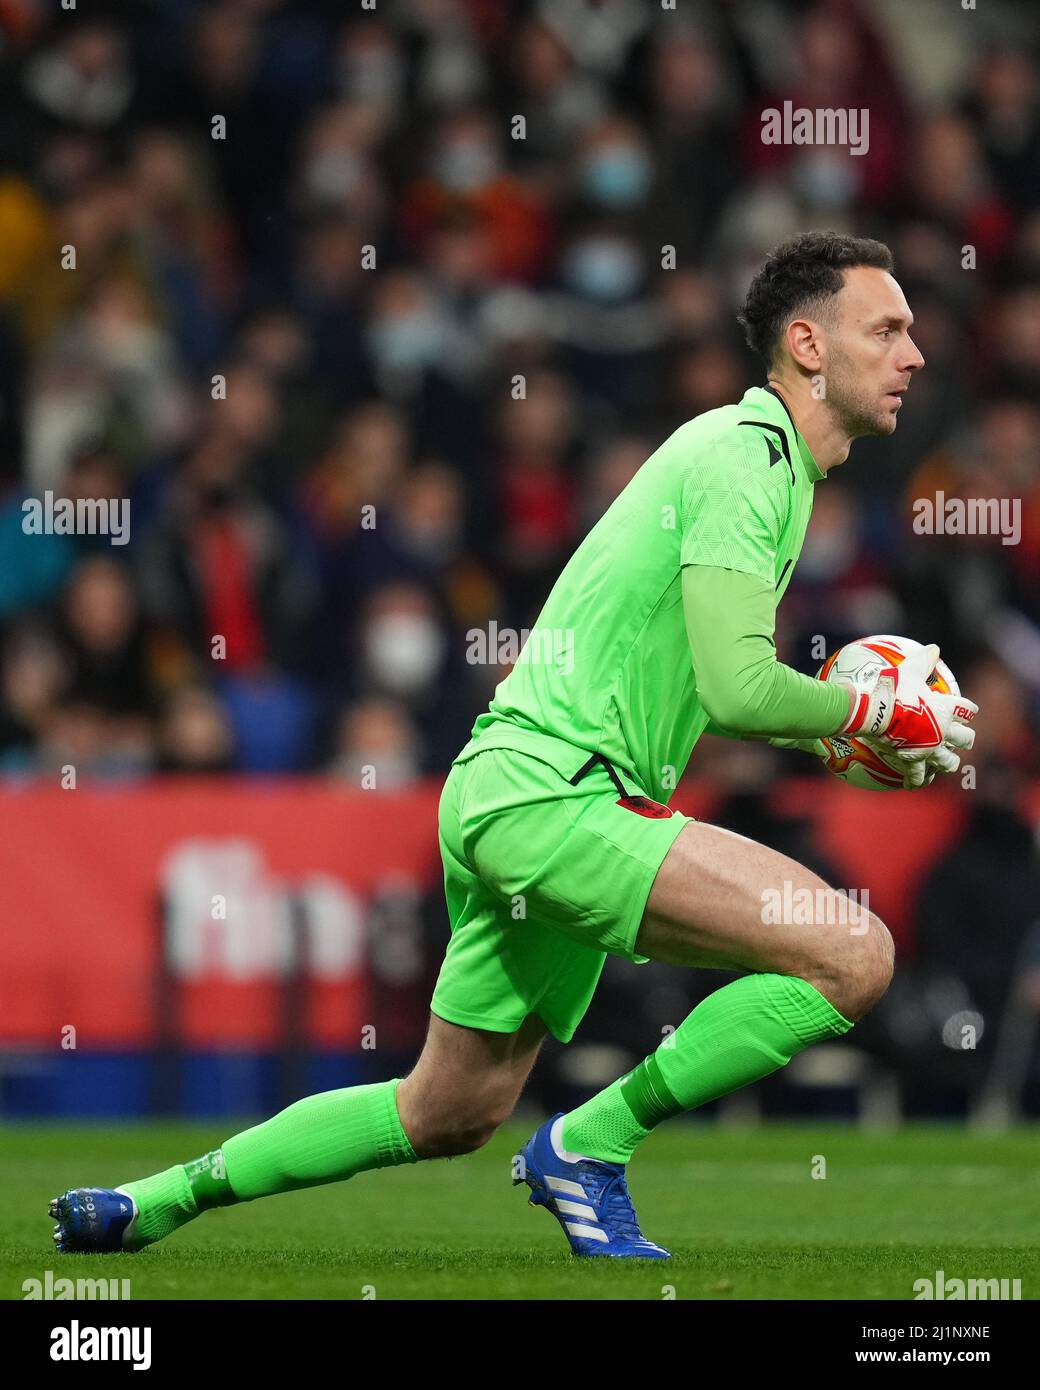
(320, 1139)
(164, 1202)
(737, 1035)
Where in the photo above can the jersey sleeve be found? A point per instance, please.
(803, 745)
(730, 621)
(734, 504)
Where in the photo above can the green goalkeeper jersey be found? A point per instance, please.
(661, 624)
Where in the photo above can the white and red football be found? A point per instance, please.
(851, 759)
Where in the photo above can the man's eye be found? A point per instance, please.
(886, 333)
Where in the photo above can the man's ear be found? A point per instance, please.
(804, 343)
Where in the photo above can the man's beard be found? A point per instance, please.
(853, 410)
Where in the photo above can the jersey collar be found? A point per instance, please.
(774, 407)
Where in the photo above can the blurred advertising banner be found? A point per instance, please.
(266, 915)
(210, 915)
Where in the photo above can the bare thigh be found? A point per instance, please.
(465, 1083)
(709, 907)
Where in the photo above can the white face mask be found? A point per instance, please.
(603, 268)
(466, 164)
(333, 176)
(367, 76)
(617, 176)
(403, 652)
(408, 342)
(825, 180)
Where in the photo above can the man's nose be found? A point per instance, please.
(913, 358)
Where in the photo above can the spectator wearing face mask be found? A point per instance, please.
(599, 309)
(601, 36)
(339, 169)
(370, 72)
(84, 78)
(404, 655)
(402, 645)
(565, 98)
(614, 170)
(408, 334)
(466, 174)
(844, 61)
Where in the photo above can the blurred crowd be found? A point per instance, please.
(373, 312)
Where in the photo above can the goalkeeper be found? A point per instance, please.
(557, 840)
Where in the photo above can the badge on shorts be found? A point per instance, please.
(643, 806)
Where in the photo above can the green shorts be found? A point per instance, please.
(542, 879)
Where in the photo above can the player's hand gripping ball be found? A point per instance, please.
(875, 763)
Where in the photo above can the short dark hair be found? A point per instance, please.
(798, 278)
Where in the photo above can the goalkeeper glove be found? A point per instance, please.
(917, 772)
(898, 709)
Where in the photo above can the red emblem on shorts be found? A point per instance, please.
(643, 806)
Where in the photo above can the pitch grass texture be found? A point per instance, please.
(741, 1213)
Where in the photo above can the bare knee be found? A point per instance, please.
(439, 1126)
(448, 1136)
(857, 970)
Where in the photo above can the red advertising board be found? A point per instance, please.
(220, 889)
(182, 908)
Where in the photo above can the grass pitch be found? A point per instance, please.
(741, 1212)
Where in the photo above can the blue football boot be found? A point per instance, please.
(588, 1197)
(94, 1221)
